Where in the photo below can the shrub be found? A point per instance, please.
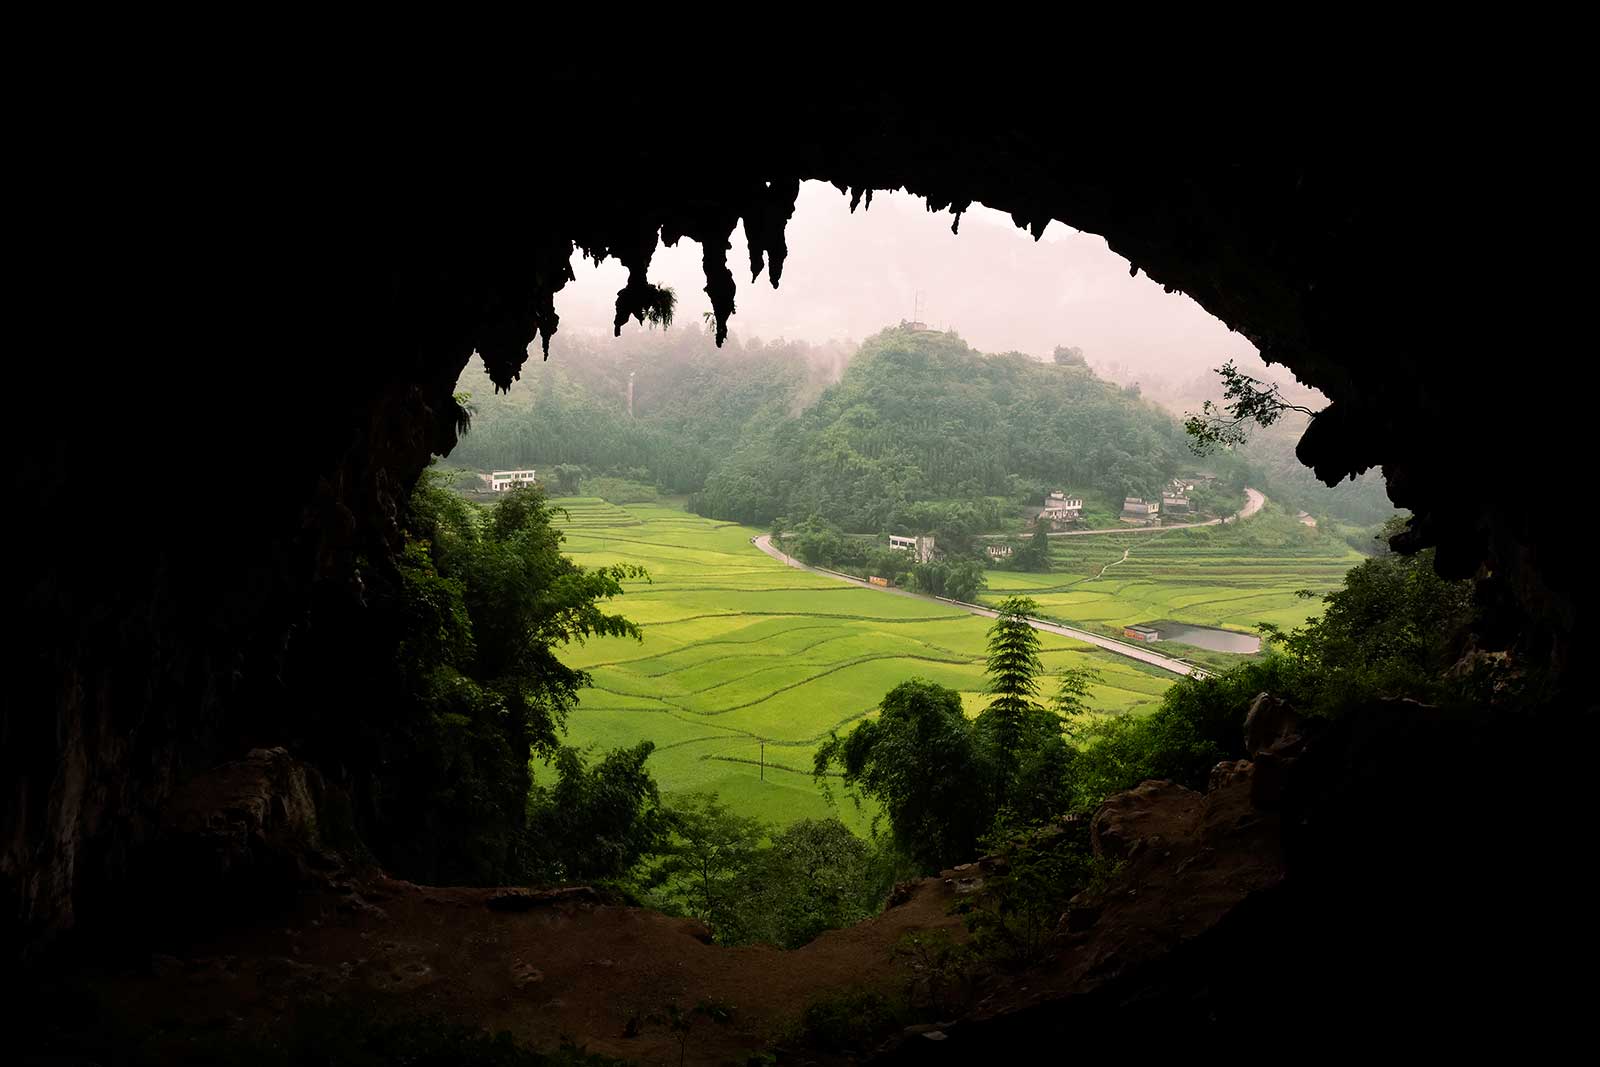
(851, 1021)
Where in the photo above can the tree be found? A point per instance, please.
(815, 876)
(708, 849)
(1072, 692)
(1392, 629)
(921, 759)
(567, 478)
(477, 604)
(525, 599)
(958, 580)
(1035, 555)
(598, 820)
(1013, 668)
(1246, 402)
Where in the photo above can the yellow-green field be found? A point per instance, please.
(1232, 576)
(739, 649)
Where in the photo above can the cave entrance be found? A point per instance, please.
(911, 397)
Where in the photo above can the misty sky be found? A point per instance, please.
(849, 276)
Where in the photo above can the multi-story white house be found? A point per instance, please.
(500, 481)
(921, 548)
(1059, 507)
(1138, 509)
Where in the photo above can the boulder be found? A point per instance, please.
(1227, 772)
(1147, 813)
(1270, 722)
(1273, 735)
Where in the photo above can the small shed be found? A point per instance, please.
(1141, 633)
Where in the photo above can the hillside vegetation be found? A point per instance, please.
(916, 431)
(922, 416)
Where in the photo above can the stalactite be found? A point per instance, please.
(635, 299)
(765, 221)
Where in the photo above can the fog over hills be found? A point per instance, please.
(848, 276)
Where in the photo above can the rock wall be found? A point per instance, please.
(1398, 877)
(288, 332)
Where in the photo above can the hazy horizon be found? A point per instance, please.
(846, 277)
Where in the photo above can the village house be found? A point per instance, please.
(1138, 509)
(998, 551)
(921, 547)
(1061, 508)
(499, 481)
(1174, 502)
(1141, 633)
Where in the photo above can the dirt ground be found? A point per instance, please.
(542, 966)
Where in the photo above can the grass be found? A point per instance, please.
(741, 651)
(1231, 577)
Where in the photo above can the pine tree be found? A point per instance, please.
(1013, 670)
(1072, 696)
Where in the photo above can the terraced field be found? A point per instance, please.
(1232, 576)
(739, 649)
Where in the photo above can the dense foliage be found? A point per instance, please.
(433, 700)
(1391, 631)
(752, 883)
(920, 416)
(693, 405)
(946, 781)
(922, 759)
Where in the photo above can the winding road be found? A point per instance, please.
(1254, 501)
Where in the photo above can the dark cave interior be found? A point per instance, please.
(1332, 237)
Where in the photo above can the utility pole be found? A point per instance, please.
(763, 761)
(630, 394)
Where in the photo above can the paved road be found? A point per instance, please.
(1255, 500)
(1110, 644)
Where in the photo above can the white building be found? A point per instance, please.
(1059, 507)
(500, 481)
(921, 548)
(998, 551)
(1138, 509)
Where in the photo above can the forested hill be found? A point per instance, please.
(920, 416)
(916, 423)
(694, 405)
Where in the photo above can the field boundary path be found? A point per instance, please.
(1255, 500)
(1110, 644)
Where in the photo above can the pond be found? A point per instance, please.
(1211, 638)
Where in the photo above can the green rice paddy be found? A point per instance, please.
(1232, 576)
(740, 650)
